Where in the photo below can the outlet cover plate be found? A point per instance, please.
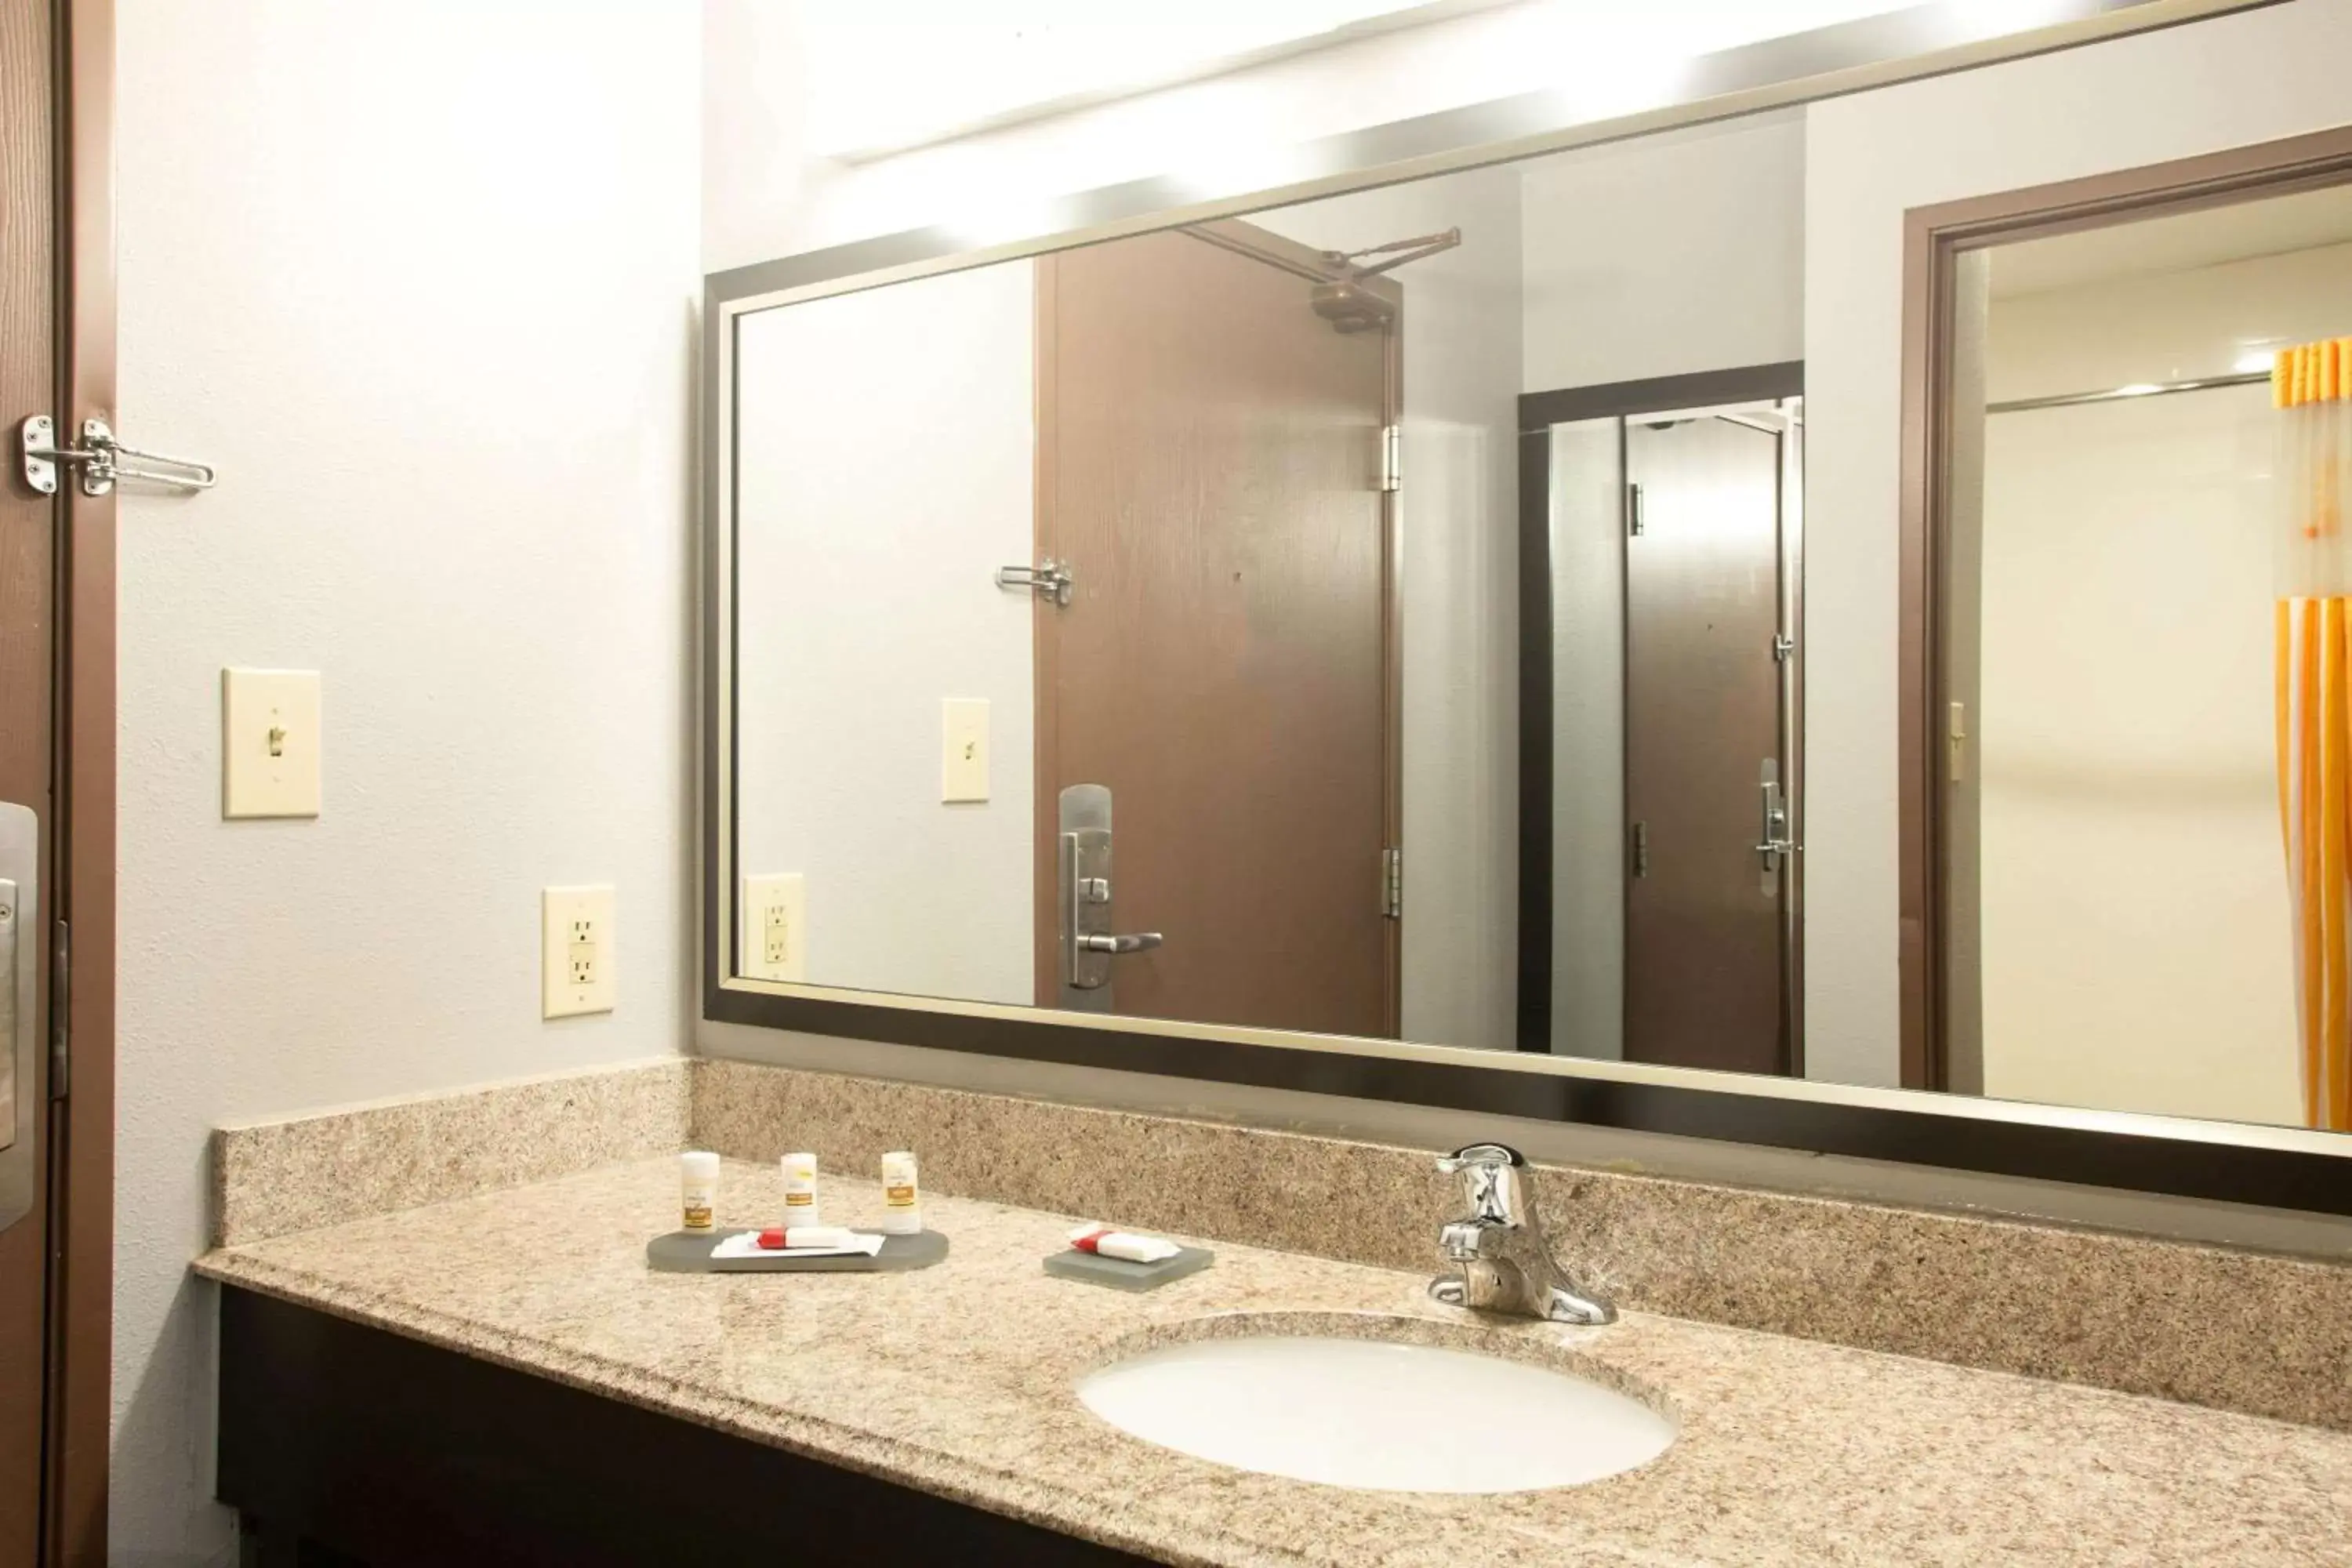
(270, 742)
(579, 959)
(774, 928)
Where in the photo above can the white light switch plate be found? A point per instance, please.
(578, 963)
(270, 742)
(963, 748)
(775, 928)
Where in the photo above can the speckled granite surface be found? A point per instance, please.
(957, 1380)
(2261, 1334)
(273, 1178)
(2265, 1335)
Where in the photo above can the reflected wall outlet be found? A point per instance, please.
(774, 928)
(270, 742)
(963, 748)
(578, 960)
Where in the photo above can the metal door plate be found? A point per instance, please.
(21, 1033)
(1085, 901)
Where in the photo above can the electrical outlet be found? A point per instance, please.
(775, 928)
(963, 748)
(578, 959)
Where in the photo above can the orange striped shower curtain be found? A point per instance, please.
(2311, 388)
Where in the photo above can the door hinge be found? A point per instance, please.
(1783, 646)
(1392, 884)
(60, 1014)
(1956, 738)
(103, 457)
(1392, 458)
(1634, 521)
(1640, 848)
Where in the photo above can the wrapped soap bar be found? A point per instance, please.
(1109, 1243)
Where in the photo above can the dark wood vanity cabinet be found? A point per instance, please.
(348, 1447)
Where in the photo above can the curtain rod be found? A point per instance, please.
(2136, 389)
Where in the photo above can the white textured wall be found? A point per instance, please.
(2163, 326)
(416, 275)
(2220, 83)
(1588, 757)
(1666, 255)
(1458, 590)
(2139, 952)
(888, 443)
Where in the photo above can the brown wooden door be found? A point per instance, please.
(27, 621)
(1209, 468)
(1703, 931)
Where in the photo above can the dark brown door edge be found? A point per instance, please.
(81, 1286)
(1933, 239)
(1538, 411)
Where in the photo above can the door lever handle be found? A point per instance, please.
(1142, 941)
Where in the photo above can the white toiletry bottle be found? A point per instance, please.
(698, 1179)
(800, 1191)
(902, 1203)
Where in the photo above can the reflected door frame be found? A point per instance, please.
(1538, 411)
(1941, 1011)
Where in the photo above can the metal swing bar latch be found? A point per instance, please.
(1049, 579)
(101, 458)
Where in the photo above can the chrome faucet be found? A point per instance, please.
(1506, 1265)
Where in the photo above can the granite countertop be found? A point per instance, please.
(957, 1380)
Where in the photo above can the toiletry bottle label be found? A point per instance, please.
(899, 1195)
(799, 1200)
(698, 1215)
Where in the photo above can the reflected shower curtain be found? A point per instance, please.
(2311, 388)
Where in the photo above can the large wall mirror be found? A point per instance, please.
(1472, 624)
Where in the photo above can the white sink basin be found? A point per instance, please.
(1377, 1415)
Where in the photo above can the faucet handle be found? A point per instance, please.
(1480, 1155)
(1490, 1173)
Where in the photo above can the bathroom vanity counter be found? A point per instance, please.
(958, 1381)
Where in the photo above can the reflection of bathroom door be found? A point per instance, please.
(1209, 464)
(1704, 965)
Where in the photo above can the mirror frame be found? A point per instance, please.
(2281, 1167)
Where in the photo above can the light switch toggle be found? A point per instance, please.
(270, 735)
(964, 750)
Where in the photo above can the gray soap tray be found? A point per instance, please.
(1094, 1268)
(688, 1252)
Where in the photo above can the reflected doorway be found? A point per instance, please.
(1661, 535)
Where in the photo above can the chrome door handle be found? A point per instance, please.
(1142, 941)
(1775, 842)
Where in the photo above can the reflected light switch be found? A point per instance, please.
(963, 740)
(270, 742)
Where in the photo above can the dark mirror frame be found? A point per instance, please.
(2279, 1167)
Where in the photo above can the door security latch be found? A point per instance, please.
(1049, 579)
(101, 457)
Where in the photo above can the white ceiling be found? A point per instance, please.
(2179, 244)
